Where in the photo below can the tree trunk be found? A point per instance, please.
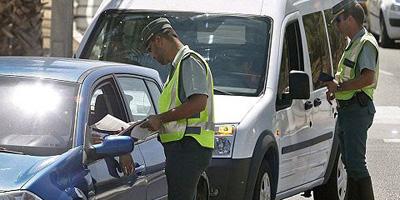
(21, 27)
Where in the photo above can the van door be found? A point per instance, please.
(292, 116)
(109, 182)
(322, 117)
(141, 99)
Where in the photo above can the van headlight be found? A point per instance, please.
(19, 195)
(224, 138)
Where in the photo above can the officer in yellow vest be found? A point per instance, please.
(353, 88)
(185, 122)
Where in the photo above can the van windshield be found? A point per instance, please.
(236, 47)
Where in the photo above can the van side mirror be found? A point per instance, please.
(299, 85)
(111, 146)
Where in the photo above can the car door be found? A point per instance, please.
(144, 94)
(109, 182)
(292, 116)
(321, 133)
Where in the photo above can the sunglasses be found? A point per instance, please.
(339, 18)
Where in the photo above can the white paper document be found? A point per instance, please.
(113, 124)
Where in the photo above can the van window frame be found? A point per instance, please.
(286, 102)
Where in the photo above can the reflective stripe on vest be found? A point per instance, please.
(348, 66)
(200, 126)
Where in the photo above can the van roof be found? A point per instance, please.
(250, 7)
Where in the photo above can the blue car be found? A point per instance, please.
(48, 107)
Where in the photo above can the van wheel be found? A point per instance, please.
(264, 183)
(336, 187)
(384, 39)
(202, 190)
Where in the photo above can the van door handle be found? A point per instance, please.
(308, 105)
(317, 102)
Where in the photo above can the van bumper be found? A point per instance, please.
(228, 178)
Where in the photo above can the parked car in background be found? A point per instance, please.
(47, 109)
(384, 20)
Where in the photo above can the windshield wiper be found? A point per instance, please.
(4, 150)
(218, 91)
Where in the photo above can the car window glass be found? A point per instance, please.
(318, 49)
(37, 115)
(292, 59)
(105, 100)
(336, 38)
(137, 98)
(154, 91)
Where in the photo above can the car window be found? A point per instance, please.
(337, 40)
(105, 100)
(37, 115)
(292, 59)
(318, 48)
(235, 47)
(136, 97)
(154, 91)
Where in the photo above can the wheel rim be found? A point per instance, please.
(265, 188)
(341, 179)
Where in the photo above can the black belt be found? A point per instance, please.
(359, 98)
(346, 103)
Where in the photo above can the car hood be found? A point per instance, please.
(232, 109)
(16, 170)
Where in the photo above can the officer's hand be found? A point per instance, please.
(153, 123)
(332, 86)
(330, 96)
(127, 164)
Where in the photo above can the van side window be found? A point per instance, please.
(317, 42)
(338, 44)
(292, 59)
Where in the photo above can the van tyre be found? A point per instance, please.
(336, 187)
(264, 184)
(384, 39)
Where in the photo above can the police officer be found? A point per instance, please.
(353, 88)
(186, 121)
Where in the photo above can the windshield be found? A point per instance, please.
(37, 116)
(236, 47)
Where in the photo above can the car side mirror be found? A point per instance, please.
(299, 85)
(111, 146)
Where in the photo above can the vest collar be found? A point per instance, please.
(356, 37)
(178, 57)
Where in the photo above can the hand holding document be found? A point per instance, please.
(112, 124)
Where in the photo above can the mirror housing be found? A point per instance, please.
(299, 85)
(112, 145)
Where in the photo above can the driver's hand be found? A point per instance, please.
(96, 138)
(127, 164)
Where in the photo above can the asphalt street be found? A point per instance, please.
(383, 146)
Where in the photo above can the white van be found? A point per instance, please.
(275, 129)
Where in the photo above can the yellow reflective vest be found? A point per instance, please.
(200, 126)
(348, 66)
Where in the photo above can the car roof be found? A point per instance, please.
(272, 8)
(65, 69)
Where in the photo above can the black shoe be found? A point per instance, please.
(352, 190)
(365, 188)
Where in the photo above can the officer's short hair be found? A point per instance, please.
(357, 12)
(349, 8)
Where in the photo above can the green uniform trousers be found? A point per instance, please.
(352, 126)
(186, 160)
